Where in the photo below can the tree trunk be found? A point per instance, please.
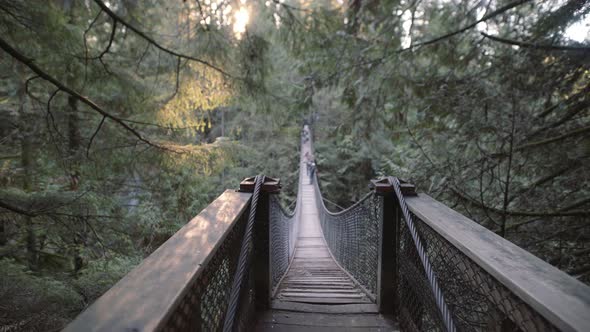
(74, 156)
(508, 170)
(27, 166)
(3, 237)
(74, 142)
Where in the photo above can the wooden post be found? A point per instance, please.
(261, 260)
(387, 271)
(261, 268)
(389, 245)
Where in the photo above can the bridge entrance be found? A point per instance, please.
(316, 293)
(245, 263)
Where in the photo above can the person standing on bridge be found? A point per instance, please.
(311, 170)
(305, 134)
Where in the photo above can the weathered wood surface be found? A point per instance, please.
(145, 296)
(326, 309)
(278, 320)
(560, 298)
(314, 276)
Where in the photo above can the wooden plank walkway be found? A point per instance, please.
(315, 294)
(314, 276)
(286, 321)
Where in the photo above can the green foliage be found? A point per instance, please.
(102, 274)
(474, 122)
(36, 302)
(83, 199)
(486, 127)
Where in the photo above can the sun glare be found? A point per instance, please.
(579, 31)
(241, 17)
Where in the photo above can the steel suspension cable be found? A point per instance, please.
(243, 260)
(438, 295)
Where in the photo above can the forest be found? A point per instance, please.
(120, 120)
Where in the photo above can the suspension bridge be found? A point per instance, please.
(395, 260)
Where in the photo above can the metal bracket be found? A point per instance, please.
(383, 186)
(270, 185)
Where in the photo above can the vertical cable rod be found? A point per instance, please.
(438, 295)
(243, 260)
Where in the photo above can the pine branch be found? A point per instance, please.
(565, 208)
(150, 40)
(546, 179)
(550, 140)
(537, 46)
(16, 209)
(471, 25)
(62, 87)
(580, 270)
(563, 212)
(111, 39)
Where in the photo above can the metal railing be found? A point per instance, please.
(353, 237)
(484, 282)
(283, 229)
(282, 241)
(211, 275)
(423, 257)
(488, 282)
(184, 285)
(242, 295)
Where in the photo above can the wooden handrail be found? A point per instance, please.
(145, 297)
(561, 299)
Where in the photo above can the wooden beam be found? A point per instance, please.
(383, 186)
(388, 252)
(561, 299)
(270, 185)
(144, 298)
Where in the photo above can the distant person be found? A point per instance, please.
(305, 136)
(312, 167)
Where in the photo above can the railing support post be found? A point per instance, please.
(261, 268)
(387, 276)
(389, 242)
(261, 263)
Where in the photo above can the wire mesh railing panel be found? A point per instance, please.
(204, 305)
(477, 301)
(353, 237)
(281, 230)
(246, 315)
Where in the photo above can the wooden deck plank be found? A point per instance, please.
(308, 290)
(323, 300)
(328, 320)
(353, 320)
(318, 279)
(324, 295)
(326, 309)
(264, 327)
(317, 286)
(312, 286)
